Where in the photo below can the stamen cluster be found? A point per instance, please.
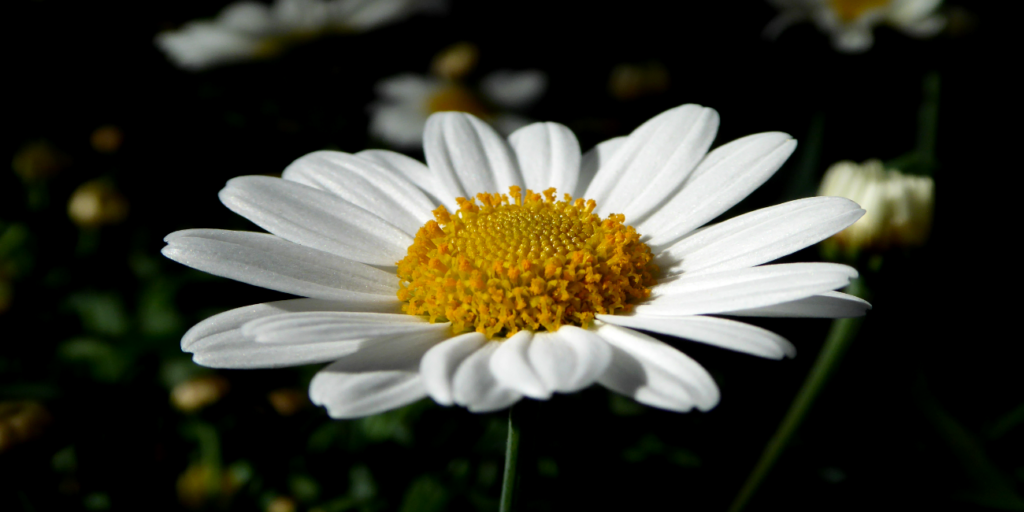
(527, 263)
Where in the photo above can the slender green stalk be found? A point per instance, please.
(843, 331)
(508, 481)
(927, 121)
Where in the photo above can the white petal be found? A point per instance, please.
(407, 87)
(316, 219)
(569, 359)
(233, 350)
(400, 126)
(321, 326)
(511, 366)
(760, 236)
(475, 387)
(271, 262)
(548, 155)
(467, 156)
(744, 288)
(726, 176)
(381, 376)
(655, 159)
(592, 160)
(438, 365)
(824, 305)
(720, 332)
(514, 89)
(374, 188)
(654, 373)
(235, 318)
(413, 170)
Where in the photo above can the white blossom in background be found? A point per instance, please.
(899, 206)
(850, 22)
(249, 30)
(343, 228)
(407, 100)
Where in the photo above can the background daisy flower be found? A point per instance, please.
(250, 30)
(407, 100)
(339, 222)
(850, 22)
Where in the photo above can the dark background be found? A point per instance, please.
(925, 411)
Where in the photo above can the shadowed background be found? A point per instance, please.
(926, 409)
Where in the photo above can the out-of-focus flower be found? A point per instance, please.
(106, 139)
(408, 100)
(281, 504)
(248, 30)
(38, 160)
(850, 22)
(456, 61)
(97, 203)
(631, 81)
(21, 421)
(197, 393)
(899, 206)
(542, 293)
(287, 401)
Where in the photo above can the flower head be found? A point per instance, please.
(899, 206)
(470, 281)
(850, 22)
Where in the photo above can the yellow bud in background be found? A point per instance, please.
(281, 504)
(97, 203)
(899, 206)
(38, 160)
(287, 401)
(195, 394)
(21, 421)
(455, 61)
(198, 483)
(106, 139)
(631, 81)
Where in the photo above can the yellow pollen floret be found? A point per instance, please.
(501, 265)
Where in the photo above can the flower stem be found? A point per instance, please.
(843, 331)
(508, 481)
(927, 121)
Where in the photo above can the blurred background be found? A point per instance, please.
(115, 142)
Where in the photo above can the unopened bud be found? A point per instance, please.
(287, 401)
(281, 504)
(197, 484)
(97, 203)
(106, 139)
(21, 421)
(195, 394)
(38, 160)
(899, 206)
(630, 81)
(455, 61)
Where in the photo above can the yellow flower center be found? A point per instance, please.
(455, 98)
(851, 10)
(506, 265)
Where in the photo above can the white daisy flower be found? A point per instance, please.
(413, 291)
(899, 206)
(850, 22)
(407, 101)
(249, 30)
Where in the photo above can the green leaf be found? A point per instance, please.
(425, 495)
(100, 312)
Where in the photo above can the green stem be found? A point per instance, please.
(843, 331)
(927, 121)
(804, 182)
(508, 481)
